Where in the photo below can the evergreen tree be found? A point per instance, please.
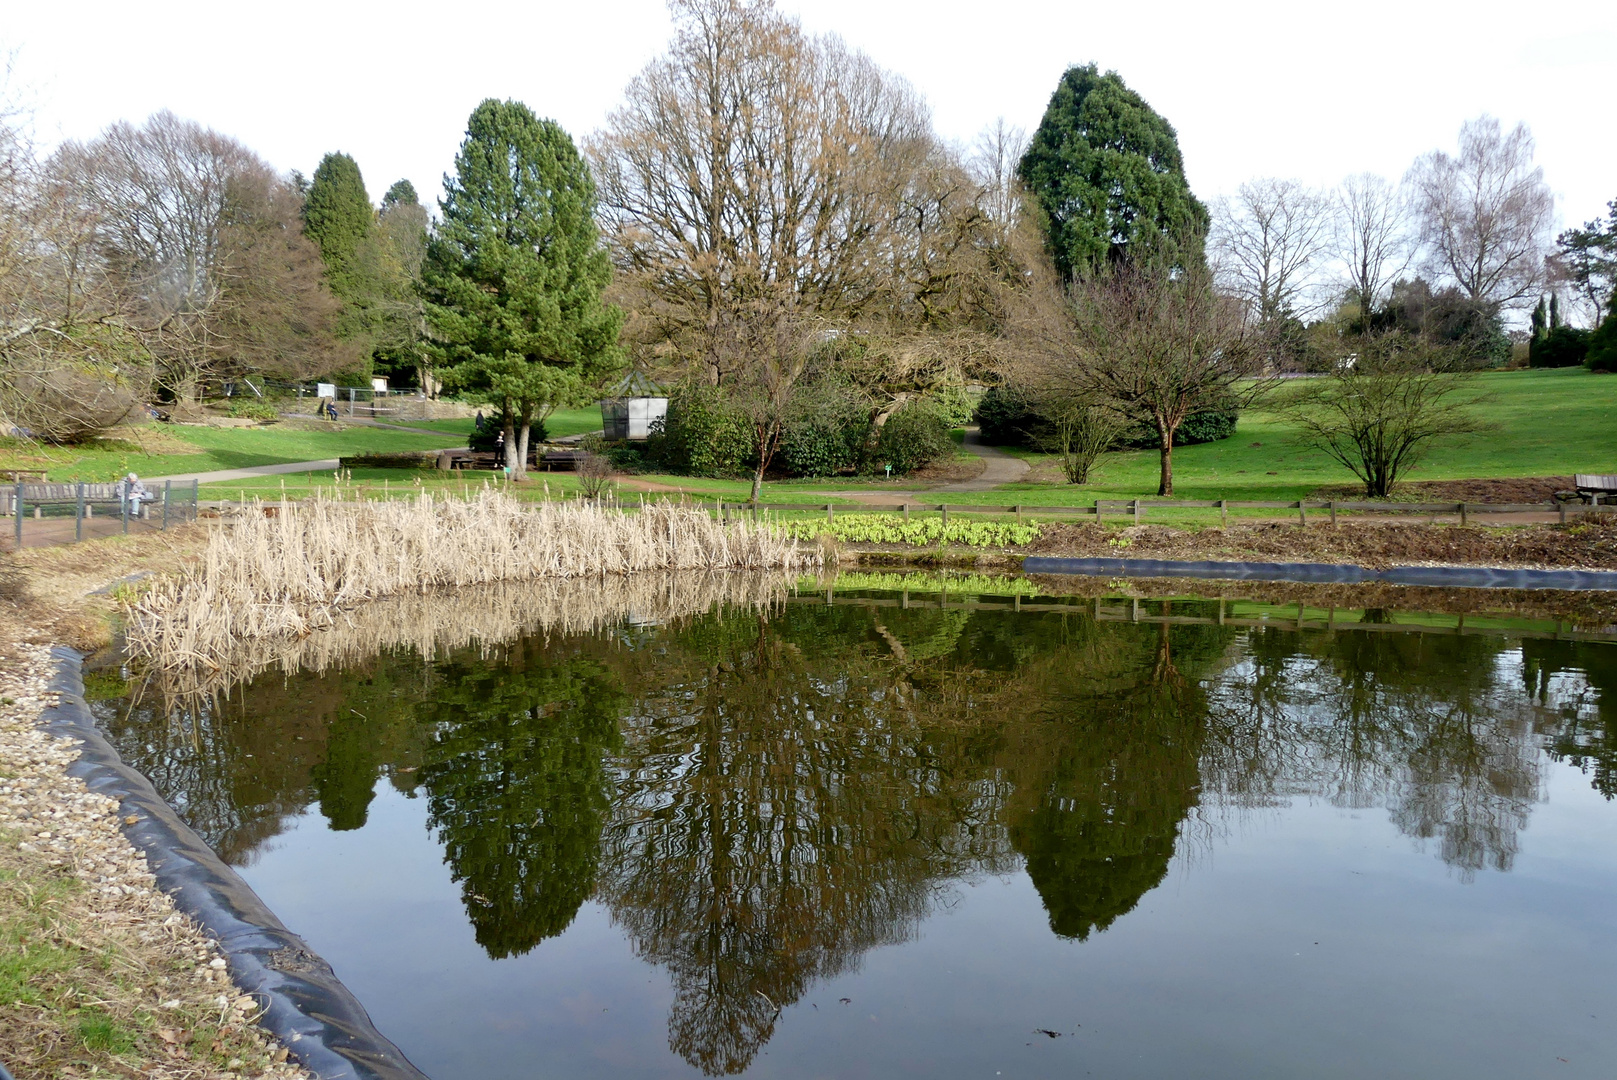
(337, 216)
(1106, 174)
(401, 193)
(514, 275)
(1555, 310)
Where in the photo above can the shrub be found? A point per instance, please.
(826, 434)
(703, 435)
(1561, 346)
(1602, 353)
(483, 441)
(1200, 428)
(253, 410)
(913, 436)
(1006, 417)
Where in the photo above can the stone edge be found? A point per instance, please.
(305, 1005)
(1465, 577)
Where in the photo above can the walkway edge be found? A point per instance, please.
(306, 1006)
(1463, 577)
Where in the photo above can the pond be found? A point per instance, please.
(847, 831)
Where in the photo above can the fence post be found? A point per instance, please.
(906, 513)
(167, 487)
(1462, 515)
(1302, 515)
(1224, 514)
(196, 495)
(1562, 508)
(828, 513)
(944, 509)
(1136, 511)
(78, 515)
(1333, 511)
(1018, 510)
(123, 509)
(16, 510)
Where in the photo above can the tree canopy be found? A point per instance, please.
(337, 216)
(1105, 171)
(514, 275)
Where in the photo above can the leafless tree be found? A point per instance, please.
(753, 169)
(1485, 215)
(1266, 243)
(1151, 344)
(1379, 411)
(1372, 241)
(204, 244)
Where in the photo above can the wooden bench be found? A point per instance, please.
(37, 495)
(1595, 487)
(36, 476)
(562, 459)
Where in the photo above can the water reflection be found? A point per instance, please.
(763, 794)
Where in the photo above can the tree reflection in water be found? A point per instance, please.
(760, 799)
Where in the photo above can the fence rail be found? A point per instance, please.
(1139, 508)
(46, 509)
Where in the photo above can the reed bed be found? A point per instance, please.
(278, 579)
(488, 616)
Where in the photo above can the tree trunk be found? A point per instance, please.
(1165, 485)
(521, 471)
(757, 482)
(510, 446)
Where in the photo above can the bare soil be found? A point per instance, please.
(1586, 543)
(1517, 489)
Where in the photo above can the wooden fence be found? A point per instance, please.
(1137, 509)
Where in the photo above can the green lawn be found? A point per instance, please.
(166, 449)
(561, 423)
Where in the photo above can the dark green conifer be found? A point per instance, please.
(337, 216)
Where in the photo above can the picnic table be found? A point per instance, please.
(1595, 487)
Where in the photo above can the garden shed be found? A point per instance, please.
(634, 406)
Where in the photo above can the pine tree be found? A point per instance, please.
(514, 275)
(1106, 173)
(401, 193)
(1555, 310)
(337, 216)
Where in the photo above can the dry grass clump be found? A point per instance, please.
(286, 576)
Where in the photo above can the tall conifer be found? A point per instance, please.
(1106, 173)
(514, 275)
(337, 216)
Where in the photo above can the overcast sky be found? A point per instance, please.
(1255, 88)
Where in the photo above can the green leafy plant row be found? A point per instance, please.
(886, 529)
(916, 582)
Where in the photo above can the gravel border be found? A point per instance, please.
(305, 1006)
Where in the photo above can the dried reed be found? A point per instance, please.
(279, 579)
(444, 621)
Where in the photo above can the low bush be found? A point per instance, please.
(1602, 354)
(915, 435)
(923, 532)
(703, 435)
(1201, 428)
(1561, 346)
(253, 410)
(826, 435)
(1005, 417)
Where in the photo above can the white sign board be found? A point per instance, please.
(325, 389)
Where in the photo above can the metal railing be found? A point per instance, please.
(41, 512)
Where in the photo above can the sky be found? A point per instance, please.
(1255, 88)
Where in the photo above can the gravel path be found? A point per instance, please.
(998, 466)
(51, 821)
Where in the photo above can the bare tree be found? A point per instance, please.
(1153, 345)
(752, 169)
(1379, 410)
(1266, 242)
(1372, 241)
(204, 244)
(1485, 215)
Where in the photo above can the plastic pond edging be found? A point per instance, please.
(306, 1006)
(1463, 577)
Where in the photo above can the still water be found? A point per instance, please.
(872, 834)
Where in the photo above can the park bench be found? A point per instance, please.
(562, 459)
(1596, 487)
(40, 495)
(25, 475)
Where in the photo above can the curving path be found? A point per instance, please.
(998, 466)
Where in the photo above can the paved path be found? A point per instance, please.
(998, 466)
(252, 472)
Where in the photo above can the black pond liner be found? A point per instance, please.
(1461, 577)
(306, 1007)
